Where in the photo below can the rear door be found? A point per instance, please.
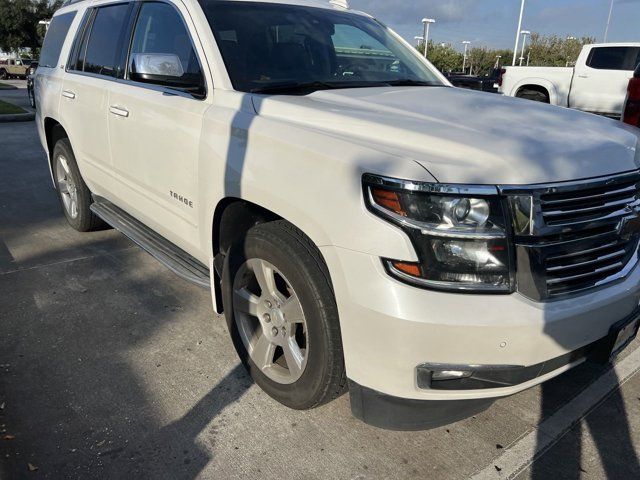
(600, 83)
(95, 62)
(155, 124)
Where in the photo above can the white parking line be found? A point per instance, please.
(522, 454)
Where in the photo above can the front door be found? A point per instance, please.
(154, 126)
(600, 84)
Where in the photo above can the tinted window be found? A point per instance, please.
(268, 44)
(55, 38)
(614, 58)
(104, 45)
(161, 31)
(76, 58)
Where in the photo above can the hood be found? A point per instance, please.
(462, 136)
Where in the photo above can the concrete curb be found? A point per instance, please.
(17, 117)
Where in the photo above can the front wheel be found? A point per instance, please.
(282, 316)
(3, 74)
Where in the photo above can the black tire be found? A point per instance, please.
(3, 74)
(85, 220)
(534, 95)
(293, 254)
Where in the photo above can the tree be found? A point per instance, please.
(19, 23)
(555, 51)
(443, 56)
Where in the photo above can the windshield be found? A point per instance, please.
(270, 47)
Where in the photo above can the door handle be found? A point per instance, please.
(68, 94)
(582, 75)
(121, 112)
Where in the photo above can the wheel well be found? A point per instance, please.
(534, 88)
(53, 132)
(232, 220)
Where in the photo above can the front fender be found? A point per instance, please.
(310, 178)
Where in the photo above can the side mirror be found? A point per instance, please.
(156, 67)
(165, 69)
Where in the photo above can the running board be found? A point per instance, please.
(172, 257)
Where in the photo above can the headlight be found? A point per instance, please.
(459, 233)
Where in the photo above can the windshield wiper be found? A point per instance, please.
(309, 87)
(407, 82)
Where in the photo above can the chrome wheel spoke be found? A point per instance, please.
(292, 310)
(265, 276)
(246, 302)
(63, 187)
(64, 164)
(262, 351)
(294, 357)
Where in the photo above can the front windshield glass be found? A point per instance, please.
(273, 47)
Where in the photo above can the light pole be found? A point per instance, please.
(464, 59)
(606, 30)
(524, 44)
(515, 49)
(46, 24)
(426, 22)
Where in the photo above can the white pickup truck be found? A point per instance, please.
(597, 84)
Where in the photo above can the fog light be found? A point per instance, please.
(450, 375)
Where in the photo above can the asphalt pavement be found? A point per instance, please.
(113, 367)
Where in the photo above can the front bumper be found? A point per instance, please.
(390, 328)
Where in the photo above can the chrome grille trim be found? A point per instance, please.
(602, 258)
(617, 203)
(597, 271)
(584, 235)
(590, 197)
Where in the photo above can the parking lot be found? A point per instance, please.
(113, 367)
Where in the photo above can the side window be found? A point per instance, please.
(614, 58)
(162, 52)
(54, 39)
(104, 42)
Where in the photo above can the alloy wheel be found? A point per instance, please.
(270, 321)
(67, 186)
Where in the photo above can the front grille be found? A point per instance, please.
(583, 236)
(580, 206)
(586, 262)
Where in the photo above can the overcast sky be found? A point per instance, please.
(493, 23)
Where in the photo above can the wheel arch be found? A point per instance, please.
(53, 131)
(540, 85)
(232, 218)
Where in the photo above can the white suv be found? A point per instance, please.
(364, 224)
